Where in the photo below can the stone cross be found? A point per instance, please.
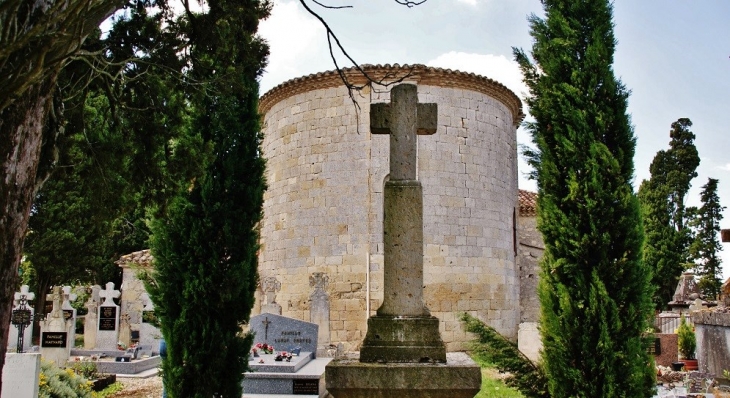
(403, 329)
(56, 296)
(24, 291)
(270, 285)
(68, 297)
(108, 294)
(403, 119)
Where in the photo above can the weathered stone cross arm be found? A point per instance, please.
(403, 119)
(380, 119)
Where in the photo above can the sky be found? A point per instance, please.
(673, 55)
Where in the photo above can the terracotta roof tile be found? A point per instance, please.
(141, 258)
(528, 203)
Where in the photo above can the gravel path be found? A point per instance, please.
(149, 387)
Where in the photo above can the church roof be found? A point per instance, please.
(528, 203)
(421, 74)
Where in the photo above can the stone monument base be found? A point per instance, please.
(403, 339)
(459, 377)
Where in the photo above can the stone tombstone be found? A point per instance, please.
(107, 334)
(21, 375)
(23, 294)
(92, 318)
(270, 286)
(319, 306)
(285, 334)
(149, 334)
(69, 312)
(125, 332)
(55, 332)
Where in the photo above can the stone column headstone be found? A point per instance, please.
(270, 286)
(149, 334)
(55, 332)
(69, 312)
(24, 295)
(319, 307)
(125, 333)
(107, 335)
(92, 318)
(403, 329)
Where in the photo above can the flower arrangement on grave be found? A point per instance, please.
(121, 346)
(283, 356)
(264, 348)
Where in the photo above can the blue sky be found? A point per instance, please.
(673, 55)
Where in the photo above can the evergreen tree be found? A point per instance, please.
(205, 247)
(706, 246)
(666, 247)
(594, 289)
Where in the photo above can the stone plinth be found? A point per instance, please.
(459, 377)
(403, 339)
(20, 375)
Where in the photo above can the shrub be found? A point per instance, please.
(686, 339)
(62, 383)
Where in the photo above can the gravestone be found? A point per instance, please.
(402, 354)
(284, 333)
(69, 312)
(92, 318)
(21, 375)
(55, 332)
(149, 334)
(107, 334)
(270, 286)
(319, 307)
(298, 375)
(21, 310)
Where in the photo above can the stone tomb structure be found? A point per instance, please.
(323, 211)
(299, 375)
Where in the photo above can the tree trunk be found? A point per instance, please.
(21, 138)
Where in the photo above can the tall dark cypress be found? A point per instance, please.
(205, 248)
(594, 289)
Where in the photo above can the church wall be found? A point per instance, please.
(323, 210)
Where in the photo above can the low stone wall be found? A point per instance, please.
(712, 329)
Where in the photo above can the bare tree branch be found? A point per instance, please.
(330, 7)
(387, 80)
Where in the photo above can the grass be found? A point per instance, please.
(492, 386)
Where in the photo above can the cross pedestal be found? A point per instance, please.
(402, 354)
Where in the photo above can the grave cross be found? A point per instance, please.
(24, 293)
(57, 299)
(109, 294)
(68, 297)
(403, 119)
(266, 323)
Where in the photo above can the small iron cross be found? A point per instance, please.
(403, 119)
(266, 323)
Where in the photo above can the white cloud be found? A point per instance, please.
(726, 167)
(294, 36)
(495, 67)
(469, 2)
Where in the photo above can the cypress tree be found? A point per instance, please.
(666, 248)
(205, 248)
(706, 247)
(594, 288)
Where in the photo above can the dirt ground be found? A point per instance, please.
(150, 387)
